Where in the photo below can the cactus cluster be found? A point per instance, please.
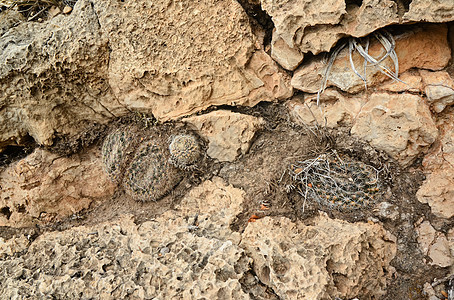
(146, 163)
(335, 182)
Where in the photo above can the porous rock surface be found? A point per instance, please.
(103, 59)
(192, 253)
(172, 256)
(400, 124)
(228, 133)
(316, 26)
(55, 78)
(438, 188)
(45, 187)
(328, 258)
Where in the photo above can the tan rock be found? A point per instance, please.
(435, 245)
(438, 188)
(440, 252)
(169, 257)
(330, 259)
(316, 26)
(425, 47)
(12, 246)
(221, 203)
(426, 235)
(400, 124)
(55, 81)
(289, 58)
(102, 61)
(229, 134)
(334, 109)
(439, 89)
(43, 187)
(412, 82)
(187, 57)
(430, 11)
(67, 9)
(438, 191)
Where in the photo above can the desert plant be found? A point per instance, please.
(184, 151)
(335, 182)
(115, 150)
(150, 176)
(354, 44)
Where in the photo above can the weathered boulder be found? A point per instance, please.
(189, 253)
(399, 124)
(328, 259)
(423, 46)
(103, 60)
(54, 79)
(334, 109)
(438, 188)
(316, 26)
(229, 134)
(45, 187)
(186, 56)
(439, 89)
(435, 245)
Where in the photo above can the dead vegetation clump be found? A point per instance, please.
(35, 9)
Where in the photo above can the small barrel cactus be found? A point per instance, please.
(335, 182)
(150, 176)
(184, 151)
(114, 151)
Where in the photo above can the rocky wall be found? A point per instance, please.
(256, 102)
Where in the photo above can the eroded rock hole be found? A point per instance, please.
(6, 212)
(350, 3)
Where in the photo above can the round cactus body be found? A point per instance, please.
(184, 151)
(114, 151)
(150, 176)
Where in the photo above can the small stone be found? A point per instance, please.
(67, 9)
(53, 11)
(229, 134)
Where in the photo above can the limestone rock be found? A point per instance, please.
(229, 134)
(438, 191)
(334, 109)
(102, 61)
(316, 26)
(438, 188)
(187, 56)
(219, 203)
(425, 47)
(400, 124)
(289, 58)
(168, 257)
(435, 245)
(12, 246)
(44, 187)
(412, 82)
(8, 19)
(54, 79)
(439, 89)
(429, 11)
(331, 257)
